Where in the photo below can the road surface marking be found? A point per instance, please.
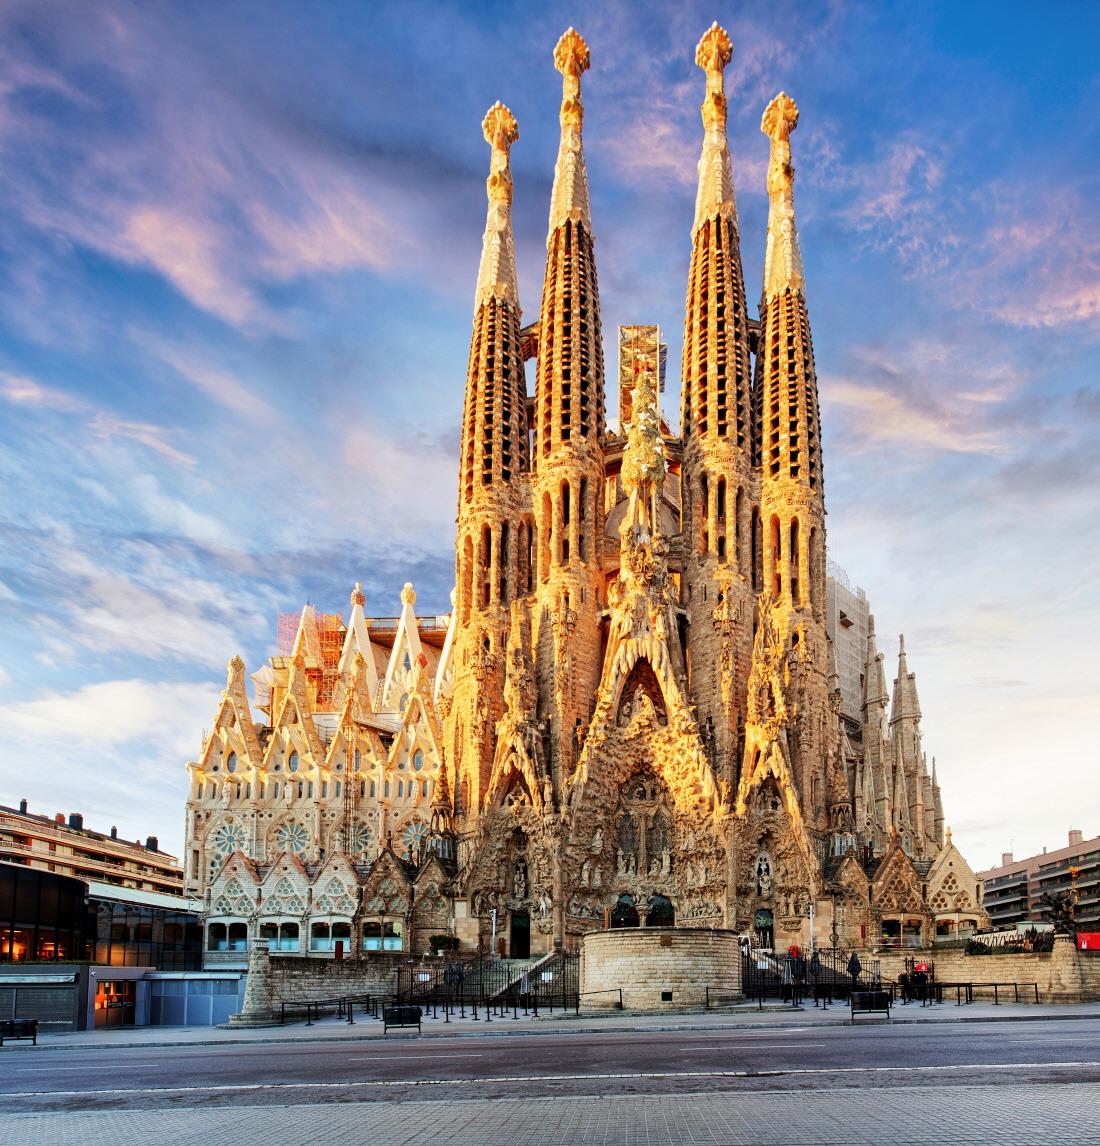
(225, 1088)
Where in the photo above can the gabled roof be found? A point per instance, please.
(406, 652)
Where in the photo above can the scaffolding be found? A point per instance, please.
(319, 639)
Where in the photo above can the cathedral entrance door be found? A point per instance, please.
(520, 945)
(763, 925)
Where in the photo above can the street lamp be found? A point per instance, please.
(834, 935)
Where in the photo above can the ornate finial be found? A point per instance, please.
(780, 117)
(783, 259)
(235, 670)
(571, 54)
(408, 594)
(501, 131)
(901, 644)
(713, 54)
(947, 836)
(572, 59)
(357, 597)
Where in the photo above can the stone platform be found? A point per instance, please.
(658, 968)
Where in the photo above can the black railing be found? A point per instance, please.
(824, 975)
(484, 986)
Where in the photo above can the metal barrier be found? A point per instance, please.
(486, 986)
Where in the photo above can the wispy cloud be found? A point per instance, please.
(897, 397)
(101, 424)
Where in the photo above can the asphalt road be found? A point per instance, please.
(541, 1066)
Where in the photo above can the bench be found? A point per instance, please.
(400, 1017)
(870, 1003)
(19, 1029)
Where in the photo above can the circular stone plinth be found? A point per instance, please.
(658, 968)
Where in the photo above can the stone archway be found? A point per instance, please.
(625, 913)
(661, 913)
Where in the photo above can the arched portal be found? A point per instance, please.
(624, 913)
(661, 912)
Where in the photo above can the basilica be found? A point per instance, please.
(631, 715)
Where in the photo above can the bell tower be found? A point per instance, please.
(493, 523)
(568, 470)
(718, 490)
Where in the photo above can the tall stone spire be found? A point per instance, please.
(717, 488)
(570, 397)
(786, 441)
(782, 257)
(937, 807)
(714, 197)
(876, 700)
(568, 467)
(787, 419)
(494, 440)
(905, 705)
(496, 276)
(493, 533)
(569, 200)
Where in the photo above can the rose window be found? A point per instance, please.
(292, 838)
(361, 838)
(228, 838)
(414, 834)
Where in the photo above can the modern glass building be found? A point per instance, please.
(46, 917)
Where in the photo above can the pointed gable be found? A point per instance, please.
(405, 655)
(951, 883)
(357, 642)
(897, 887)
(234, 730)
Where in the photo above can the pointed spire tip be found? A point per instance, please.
(715, 50)
(499, 127)
(780, 117)
(571, 54)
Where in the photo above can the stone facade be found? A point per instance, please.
(658, 969)
(631, 712)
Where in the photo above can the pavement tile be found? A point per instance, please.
(925, 1116)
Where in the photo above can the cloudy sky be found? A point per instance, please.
(238, 245)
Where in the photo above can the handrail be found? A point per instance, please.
(605, 991)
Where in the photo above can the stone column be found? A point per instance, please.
(1067, 984)
(259, 990)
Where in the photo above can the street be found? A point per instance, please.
(982, 1082)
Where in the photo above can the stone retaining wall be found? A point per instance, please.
(302, 980)
(658, 968)
(1063, 975)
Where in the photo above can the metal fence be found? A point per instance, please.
(825, 973)
(484, 985)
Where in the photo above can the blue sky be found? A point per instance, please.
(238, 246)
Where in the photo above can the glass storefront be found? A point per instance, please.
(50, 917)
(41, 915)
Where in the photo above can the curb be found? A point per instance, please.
(512, 1032)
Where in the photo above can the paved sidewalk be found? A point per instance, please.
(366, 1028)
(902, 1116)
